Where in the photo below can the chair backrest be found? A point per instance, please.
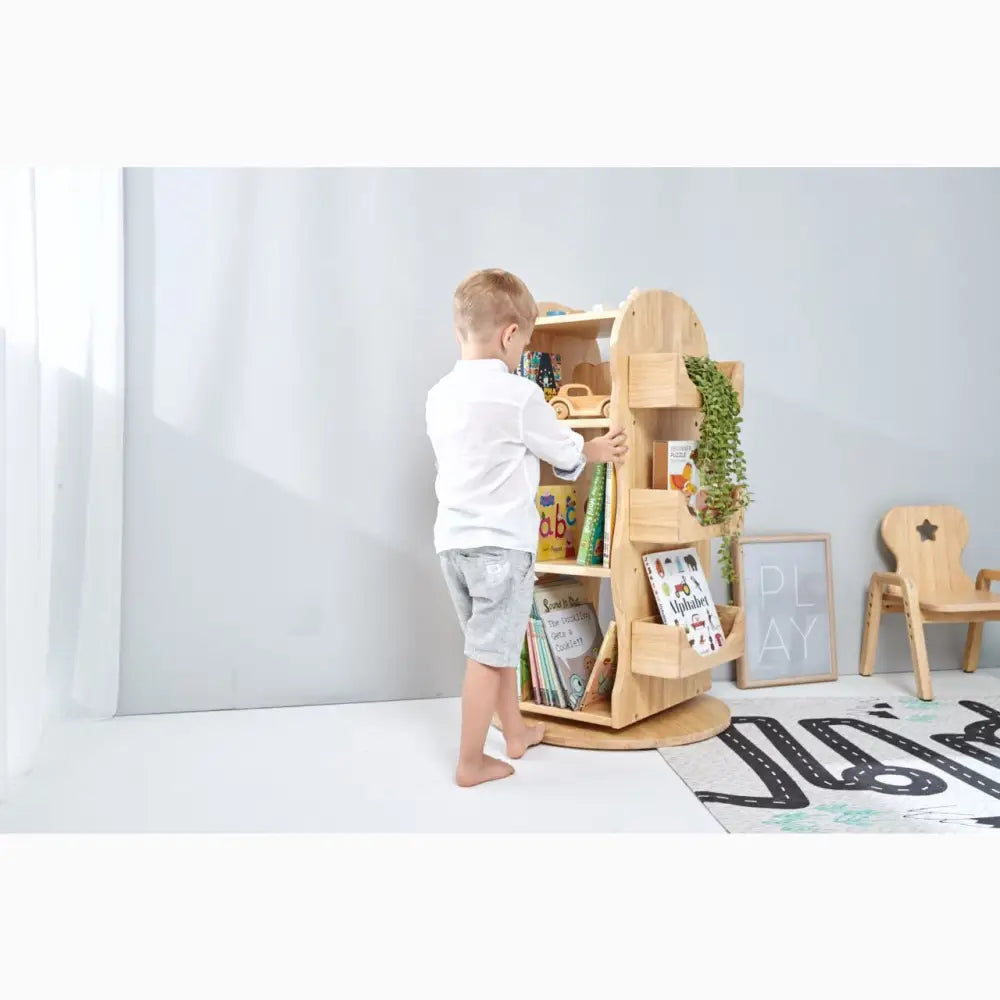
(927, 543)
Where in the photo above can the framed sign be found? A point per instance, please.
(785, 585)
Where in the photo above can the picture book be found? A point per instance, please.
(675, 467)
(602, 677)
(524, 688)
(573, 636)
(610, 486)
(543, 368)
(557, 526)
(592, 536)
(680, 589)
(537, 691)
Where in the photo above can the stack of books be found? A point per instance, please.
(566, 661)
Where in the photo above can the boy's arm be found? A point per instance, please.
(551, 440)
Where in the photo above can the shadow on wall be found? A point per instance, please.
(827, 472)
(277, 547)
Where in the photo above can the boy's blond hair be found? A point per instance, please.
(489, 300)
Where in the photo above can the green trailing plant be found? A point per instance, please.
(721, 462)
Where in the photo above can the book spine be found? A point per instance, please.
(536, 681)
(609, 507)
(550, 686)
(595, 501)
(524, 672)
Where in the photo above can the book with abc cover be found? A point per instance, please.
(680, 589)
(557, 526)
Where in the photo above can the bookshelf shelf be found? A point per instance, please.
(598, 714)
(570, 567)
(582, 423)
(586, 325)
(663, 651)
(659, 695)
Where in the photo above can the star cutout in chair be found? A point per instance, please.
(927, 531)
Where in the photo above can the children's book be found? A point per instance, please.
(675, 467)
(592, 536)
(610, 487)
(524, 689)
(602, 677)
(680, 589)
(573, 636)
(549, 689)
(557, 526)
(543, 368)
(547, 694)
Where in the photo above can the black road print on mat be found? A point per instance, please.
(866, 773)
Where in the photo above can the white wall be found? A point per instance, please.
(284, 326)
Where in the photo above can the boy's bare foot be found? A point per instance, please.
(487, 769)
(517, 745)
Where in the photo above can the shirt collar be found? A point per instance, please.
(482, 364)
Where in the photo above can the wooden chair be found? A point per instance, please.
(929, 585)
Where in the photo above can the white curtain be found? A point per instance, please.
(61, 452)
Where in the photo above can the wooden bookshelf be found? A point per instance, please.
(659, 695)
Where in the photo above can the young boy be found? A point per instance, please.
(489, 428)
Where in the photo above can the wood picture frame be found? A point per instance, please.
(751, 671)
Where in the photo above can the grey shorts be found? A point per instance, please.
(492, 590)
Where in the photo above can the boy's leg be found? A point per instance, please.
(480, 694)
(519, 734)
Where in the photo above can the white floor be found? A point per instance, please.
(365, 768)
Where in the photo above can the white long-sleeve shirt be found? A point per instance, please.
(489, 429)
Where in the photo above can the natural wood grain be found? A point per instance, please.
(581, 325)
(660, 650)
(588, 423)
(930, 585)
(658, 381)
(598, 377)
(974, 637)
(570, 567)
(599, 714)
(696, 719)
(663, 517)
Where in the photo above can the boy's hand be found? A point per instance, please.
(610, 447)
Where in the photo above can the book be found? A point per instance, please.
(536, 687)
(675, 467)
(602, 677)
(549, 691)
(524, 690)
(546, 694)
(543, 368)
(590, 552)
(683, 598)
(610, 487)
(557, 525)
(573, 636)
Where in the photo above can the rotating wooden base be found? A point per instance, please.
(690, 722)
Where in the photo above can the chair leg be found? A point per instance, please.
(873, 620)
(973, 644)
(918, 648)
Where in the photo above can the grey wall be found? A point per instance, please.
(284, 326)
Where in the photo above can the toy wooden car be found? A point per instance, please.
(577, 400)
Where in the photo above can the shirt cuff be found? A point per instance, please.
(573, 472)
